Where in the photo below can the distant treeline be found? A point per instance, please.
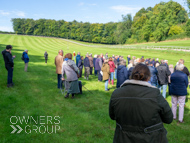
(4, 32)
(164, 21)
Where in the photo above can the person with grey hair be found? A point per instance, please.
(26, 60)
(179, 84)
(157, 61)
(86, 67)
(122, 73)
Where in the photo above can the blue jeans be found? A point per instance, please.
(115, 73)
(106, 84)
(95, 72)
(10, 76)
(111, 75)
(164, 90)
(59, 83)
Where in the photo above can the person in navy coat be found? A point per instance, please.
(179, 84)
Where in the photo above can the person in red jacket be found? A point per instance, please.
(112, 69)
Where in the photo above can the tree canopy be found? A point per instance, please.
(151, 24)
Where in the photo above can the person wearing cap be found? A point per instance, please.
(26, 60)
(9, 64)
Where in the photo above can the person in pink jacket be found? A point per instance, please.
(112, 69)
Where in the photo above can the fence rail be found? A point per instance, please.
(176, 48)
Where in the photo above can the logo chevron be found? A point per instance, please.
(20, 129)
(15, 129)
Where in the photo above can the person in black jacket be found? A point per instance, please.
(9, 65)
(139, 110)
(163, 73)
(86, 67)
(80, 66)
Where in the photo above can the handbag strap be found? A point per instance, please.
(72, 68)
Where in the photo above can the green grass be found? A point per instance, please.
(82, 120)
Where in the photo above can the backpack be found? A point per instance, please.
(22, 56)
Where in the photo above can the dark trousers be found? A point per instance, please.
(99, 75)
(80, 74)
(91, 68)
(45, 60)
(10, 76)
(59, 83)
(95, 72)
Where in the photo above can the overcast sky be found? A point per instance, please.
(93, 11)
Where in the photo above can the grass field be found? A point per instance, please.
(82, 120)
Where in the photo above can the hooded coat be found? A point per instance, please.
(139, 111)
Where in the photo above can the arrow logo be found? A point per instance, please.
(20, 129)
(15, 129)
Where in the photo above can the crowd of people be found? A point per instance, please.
(140, 83)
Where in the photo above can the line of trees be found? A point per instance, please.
(163, 21)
